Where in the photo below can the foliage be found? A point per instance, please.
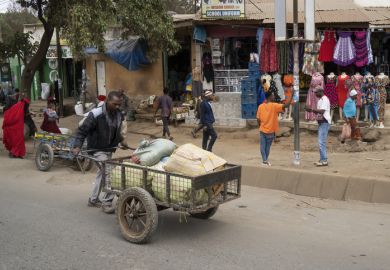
(180, 6)
(13, 21)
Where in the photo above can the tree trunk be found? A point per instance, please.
(33, 65)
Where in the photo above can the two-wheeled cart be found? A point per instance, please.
(142, 192)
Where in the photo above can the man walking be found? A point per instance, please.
(267, 118)
(166, 105)
(349, 111)
(207, 120)
(102, 129)
(323, 119)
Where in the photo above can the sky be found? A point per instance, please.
(4, 5)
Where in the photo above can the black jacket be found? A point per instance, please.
(97, 132)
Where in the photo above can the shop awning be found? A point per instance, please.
(131, 53)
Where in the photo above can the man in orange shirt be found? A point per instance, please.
(267, 117)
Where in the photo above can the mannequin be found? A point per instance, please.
(367, 79)
(331, 92)
(342, 91)
(311, 101)
(382, 81)
(288, 81)
(357, 81)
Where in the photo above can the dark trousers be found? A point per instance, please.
(166, 131)
(209, 132)
(265, 144)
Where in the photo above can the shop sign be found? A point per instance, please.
(223, 8)
(5, 71)
(52, 52)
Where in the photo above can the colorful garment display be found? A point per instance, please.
(361, 48)
(312, 100)
(277, 78)
(269, 54)
(369, 49)
(301, 52)
(382, 81)
(311, 64)
(342, 89)
(357, 81)
(330, 91)
(327, 47)
(288, 81)
(344, 53)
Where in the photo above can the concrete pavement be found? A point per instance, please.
(45, 224)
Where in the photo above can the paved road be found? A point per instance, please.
(45, 224)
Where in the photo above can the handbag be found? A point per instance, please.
(346, 132)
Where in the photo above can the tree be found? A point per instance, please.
(180, 6)
(84, 22)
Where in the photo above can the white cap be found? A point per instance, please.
(208, 93)
(353, 93)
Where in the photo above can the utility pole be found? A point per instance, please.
(297, 152)
(60, 87)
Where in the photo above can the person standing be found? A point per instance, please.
(102, 129)
(267, 118)
(323, 118)
(166, 105)
(350, 115)
(207, 120)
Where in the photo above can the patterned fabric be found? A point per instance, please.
(278, 83)
(369, 49)
(301, 53)
(327, 47)
(311, 64)
(312, 100)
(344, 53)
(288, 81)
(357, 82)
(361, 49)
(269, 54)
(381, 83)
(284, 56)
(342, 90)
(330, 91)
(274, 90)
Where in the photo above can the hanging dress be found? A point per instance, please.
(327, 47)
(312, 100)
(357, 81)
(277, 78)
(269, 54)
(283, 57)
(288, 81)
(361, 49)
(381, 83)
(342, 90)
(344, 52)
(330, 91)
(369, 49)
(311, 64)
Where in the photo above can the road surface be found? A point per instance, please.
(45, 224)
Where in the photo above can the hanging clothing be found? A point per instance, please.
(274, 90)
(269, 54)
(370, 57)
(259, 37)
(330, 91)
(327, 47)
(208, 71)
(284, 56)
(277, 78)
(312, 100)
(342, 89)
(301, 52)
(382, 82)
(344, 52)
(288, 81)
(13, 129)
(311, 64)
(357, 81)
(361, 48)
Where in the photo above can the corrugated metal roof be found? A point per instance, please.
(183, 17)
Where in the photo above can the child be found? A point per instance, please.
(50, 119)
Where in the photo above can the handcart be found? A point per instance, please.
(51, 146)
(142, 192)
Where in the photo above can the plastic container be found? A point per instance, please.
(249, 111)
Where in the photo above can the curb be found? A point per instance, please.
(320, 185)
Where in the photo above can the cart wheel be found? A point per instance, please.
(110, 209)
(137, 215)
(44, 157)
(206, 214)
